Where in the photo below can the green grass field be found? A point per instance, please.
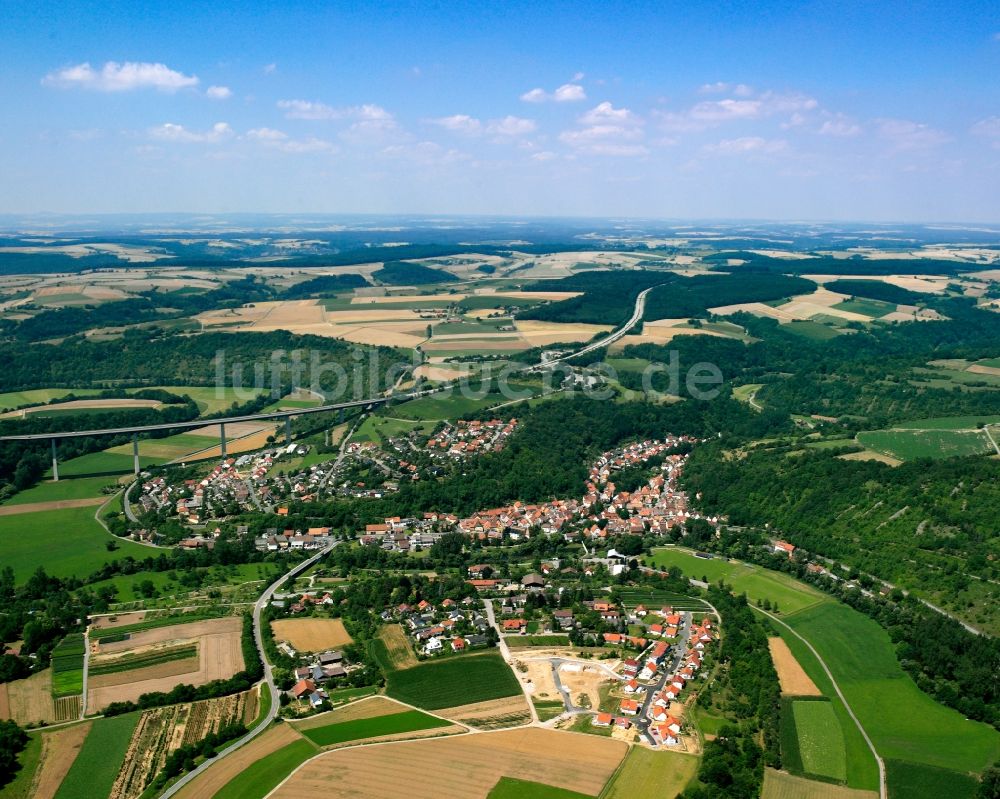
(821, 742)
(872, 308)
(526, 641)
(444, 406)
(912, 444)
(379, 428)
(358, 729)
(67, 666)
(95, 768)
(904, 723)
(511, 788)
(807, 328)
(18, 399)
(791, 595)
(211, 399)
(48, 491)
(109, 462)
(66, 542)
(949, 423)
(20, 786)
(167, 583)
(258, 780)
(455, 681)
(650, 775)
(912, 781)
(656, 598)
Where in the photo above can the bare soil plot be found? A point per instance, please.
(540, 333)
(793, 678)
(119, 620)
(583, 681)
(510, 711)
(538, 677)
(870, 455)
(466, 765)
(219, 657)
(30, 700)
(59, 750)
(979, 369)
(248, 443)
(368, 708)
(311, 635)
(221, 773)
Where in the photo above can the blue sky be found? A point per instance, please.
(823, 110)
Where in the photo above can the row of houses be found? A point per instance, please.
(470, 438)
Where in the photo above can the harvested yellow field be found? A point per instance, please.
(387, 334)
(464, 765)
(73, 405)
(554, 296)
(443, 298)
(510, 711)
(222, 772)
(369, 708)
(59, 750)
(870, 455)
(537, 333)
(928, 284)
(30, 700)
(247, 443)
(781, 785)
(661, 331)
(793, 678)
(311, 635)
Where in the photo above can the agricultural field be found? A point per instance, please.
(95, 769)
(67, 543)
(263, 775)
(447, 405)
(949, 423)
(382, 726)
(48, 759)
(904, 723)
(933, 443)
(162, 730)
(71, 489)
(311, 634)
(914, 781)
(650, 596)
(17, 399)
(646, 774)
(793, 678)
(493, 714)
(67, 666)
(392, 649)
(453, 681)
(512, 788)
(791, 595)
(379, 428)
(219, 656)
(811, 739)
(464, 765)
(780, 785)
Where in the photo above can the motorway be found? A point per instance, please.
(264, 723)
(640, 307)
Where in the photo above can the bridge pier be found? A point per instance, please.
(222, 440)
(135, 453)
(288, 429)
(55, 463)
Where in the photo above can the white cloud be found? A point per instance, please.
(270, 69)
(839, 126)
(120, 77)
(747, 144)
(219, 92)
(721, 87)
(367, 118)
(905, 134)
(606, 113)
(279, 140)
(544, 155)
(567, 93)
(459, 123)
(304, 109)
(511, 126)
(989, 128)
(710, 113)
(169, 131)
(266, 135)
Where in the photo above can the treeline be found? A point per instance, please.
(323, 285)
(608, 298)
(829, 265)
(148, 306)
(877, 290)
(693, 296)
(747, 688)
(404, 273)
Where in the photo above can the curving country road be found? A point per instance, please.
(258, 608)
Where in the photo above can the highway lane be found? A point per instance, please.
(269, 683)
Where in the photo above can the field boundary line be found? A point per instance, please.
(883, 794)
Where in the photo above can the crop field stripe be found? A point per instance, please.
(820, 741)
(263, 776)
(96, 767)
(163, 621)
(457, 681)
(513, 788)
(791, 756)
(140, 661)
(358, 729)
(915, 781)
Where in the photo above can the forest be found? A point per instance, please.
(830, 265)
(404, 273)
(324, 285)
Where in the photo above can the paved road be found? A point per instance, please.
(258, 608)
(642, 719)
(640, 308)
